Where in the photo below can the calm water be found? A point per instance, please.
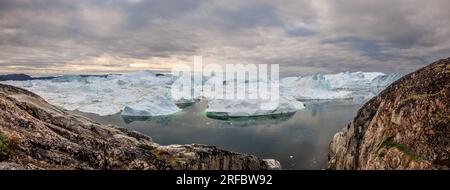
(298, 141)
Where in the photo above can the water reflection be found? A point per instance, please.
(161, 120)
(298, 141)
(262, 118)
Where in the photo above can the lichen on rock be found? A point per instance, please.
(3, 147)
(407, 126)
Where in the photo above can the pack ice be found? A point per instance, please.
(134, 94)
(147, 94)
(346, 85)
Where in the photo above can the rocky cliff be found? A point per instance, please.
(37, 135)
(407, 126)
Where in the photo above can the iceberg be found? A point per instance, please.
(362, 85)
(155, 106)
(313, 87)
(385, 80)
(134, 94)
(146, 93)
(247, 107)
(350, 81)
(346, 85)
(232, 105)
(222, 108)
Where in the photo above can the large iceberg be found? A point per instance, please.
(223, 108)
(347, 85)
(351, 81)
(251, 105)
(156, 106)
(362, 85)
(311, 87)
(134, 94)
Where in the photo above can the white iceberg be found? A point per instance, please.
(311, 87)
(140, 93)
(385, 80)
(348, 80)
(362, 85)
(145, 93)
(231, 105)
(347, 85)
(224, 108)
(154, 106)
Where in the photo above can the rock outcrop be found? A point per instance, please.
(407, 126)
(37, 135)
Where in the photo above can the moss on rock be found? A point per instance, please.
(3, 147)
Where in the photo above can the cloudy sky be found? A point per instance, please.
(45, 37)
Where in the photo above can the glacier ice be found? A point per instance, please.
(346, 85)
(250, 105)
(145, 93)
(136, 94)
(223, 108)
(156, 106)
(311, 87)
(348, 80)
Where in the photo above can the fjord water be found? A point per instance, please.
(298, 141)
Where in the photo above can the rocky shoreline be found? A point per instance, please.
(37, 135)
(407, 126)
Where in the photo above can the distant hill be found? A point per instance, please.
(22, 77)
(19, 77)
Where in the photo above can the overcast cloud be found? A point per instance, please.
(45, 37)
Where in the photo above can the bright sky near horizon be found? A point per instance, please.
(46, 37)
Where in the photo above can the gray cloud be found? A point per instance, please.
(301, 32)
(304, 37)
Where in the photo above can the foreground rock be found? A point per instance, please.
(37, 135)
(407, 126)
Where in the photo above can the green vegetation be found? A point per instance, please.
(417, 96)
(163, 156)
(3, 147)
(145, 146)
(390, 143)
